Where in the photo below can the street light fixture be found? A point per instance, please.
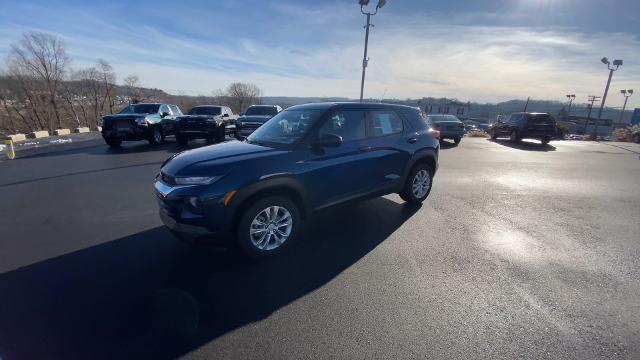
(616, 65)
(365, 60)
(626, 94)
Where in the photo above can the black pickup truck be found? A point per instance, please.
(151, 122)
(210, 122)
(254, 117)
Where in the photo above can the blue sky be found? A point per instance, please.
(472, 50)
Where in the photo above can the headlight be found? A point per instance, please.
(141, 121)
(197, 180)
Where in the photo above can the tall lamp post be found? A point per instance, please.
(571, 97)
(612, 67)
(626, 94)
(365, 60)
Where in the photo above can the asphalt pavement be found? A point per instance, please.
(521, 251)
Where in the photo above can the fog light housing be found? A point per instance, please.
(193, 204)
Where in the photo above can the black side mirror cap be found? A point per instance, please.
(329, 140)
(164, 114)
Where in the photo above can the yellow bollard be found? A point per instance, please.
(11, 152)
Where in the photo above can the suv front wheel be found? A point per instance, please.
(418, 185)
(268, 225)
(514, 137)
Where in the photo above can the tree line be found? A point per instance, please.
(39, 90)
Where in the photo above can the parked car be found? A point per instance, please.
(522, 125)
(450, 127)
(304, 159)
(484, 127)
(210, 122)
(254, 117)
(152, 122)
(468, 128)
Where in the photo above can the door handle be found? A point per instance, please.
(365, 149)
(412, 140)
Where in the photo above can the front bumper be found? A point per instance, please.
(212, 217)
(132, 132)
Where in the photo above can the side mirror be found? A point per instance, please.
(164, 114)
(225, 115)
(328, 140)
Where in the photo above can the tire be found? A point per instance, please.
(493, 135)
(514, 137)
(114, 143)
(252, 245)
(420, 194)
(182, 139)
(636, 138)
(545, 141)
(457, 139)
(210, 139)
(221, 136)
(155, 136)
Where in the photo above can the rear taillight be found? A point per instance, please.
(435, 133)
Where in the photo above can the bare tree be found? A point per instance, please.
(241, 95)
(131, 83)
(40, 57)
(108, 78)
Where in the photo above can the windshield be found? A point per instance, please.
(261, 110)
(205, 110)
(141, 109)
(285, 128)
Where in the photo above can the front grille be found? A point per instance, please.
(193, 125)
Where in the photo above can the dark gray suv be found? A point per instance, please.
(518, 126)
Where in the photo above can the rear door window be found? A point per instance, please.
(539, 119)
(383, 123)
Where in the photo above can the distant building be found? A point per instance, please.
(635, 120)
(451, 107)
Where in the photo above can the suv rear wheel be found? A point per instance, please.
(182, 139)
(545, 140)
(514, 137)
(268, 225)
(112, 142)
(456, 140)
(418, 185)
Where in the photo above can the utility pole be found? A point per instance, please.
(365, 60)
(616, 65)
(592, 99)
(571, 97)
(626, 94)
(527, 104)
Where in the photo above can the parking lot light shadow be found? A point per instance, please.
(527, 145)
(149, 295)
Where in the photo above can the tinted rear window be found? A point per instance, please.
(542, 119)
(441, 118)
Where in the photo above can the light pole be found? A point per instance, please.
(626, 94)
(571, 97)
(365, 60)
(612, 68)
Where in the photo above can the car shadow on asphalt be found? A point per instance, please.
(525, 145)
(149, 295)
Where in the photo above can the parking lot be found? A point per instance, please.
(520, 251)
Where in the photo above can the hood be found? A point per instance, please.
(123, 116)
(218, 154)
(255, 118)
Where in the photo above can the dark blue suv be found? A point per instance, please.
(306, 158)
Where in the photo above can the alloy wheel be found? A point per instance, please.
(421, 184)
(271, 228)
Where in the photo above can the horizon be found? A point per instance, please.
(485, 53)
